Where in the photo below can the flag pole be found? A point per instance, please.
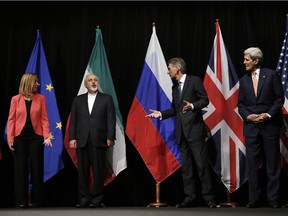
(158, 203)
(228, 203)
(29, 197)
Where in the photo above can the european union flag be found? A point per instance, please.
(53, 162)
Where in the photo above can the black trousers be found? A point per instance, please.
(271, 148)
(195, 161)
(91, 157)
(29, 158)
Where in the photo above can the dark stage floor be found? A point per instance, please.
(144, 211)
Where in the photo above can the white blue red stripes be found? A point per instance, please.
(151, 95)
(282, 68)
(154, 139)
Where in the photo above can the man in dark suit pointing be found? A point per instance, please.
(91, 132)
(189, 97)
(260, 101)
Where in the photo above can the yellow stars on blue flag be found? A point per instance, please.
(49, 87)
(59, 125)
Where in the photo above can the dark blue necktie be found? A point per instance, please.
(179, 91)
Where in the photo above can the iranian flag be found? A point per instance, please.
(98, 65)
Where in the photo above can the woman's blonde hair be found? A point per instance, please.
(27, 84)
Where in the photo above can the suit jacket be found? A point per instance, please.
(192, 121)
(101, 124)
(18, 114)
(270, 99)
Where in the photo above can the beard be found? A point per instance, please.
(94, 89)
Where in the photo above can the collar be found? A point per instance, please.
(183, 78)
(257, 71)
(92, 94)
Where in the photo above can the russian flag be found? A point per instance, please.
(154, 139)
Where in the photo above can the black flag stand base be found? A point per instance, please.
(157, 204)
(29, 197)
(228, 203)
(285, 205)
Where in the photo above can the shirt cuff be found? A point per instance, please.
(192, 107)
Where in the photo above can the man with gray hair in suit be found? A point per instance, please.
(260, 102)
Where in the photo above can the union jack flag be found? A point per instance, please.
(224, 124)
(282, 68)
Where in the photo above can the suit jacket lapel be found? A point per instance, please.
(85, 104)
(95, 102)
(184, 86)
(175, 93)
(250, 84)
(261, 80)
(186, 83)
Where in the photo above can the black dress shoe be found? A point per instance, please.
(82, 205)
(252, 204)
(93, 205)
(36, 205)
(211, 204)
(186, 205)
(21, 206)
(274, 205)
